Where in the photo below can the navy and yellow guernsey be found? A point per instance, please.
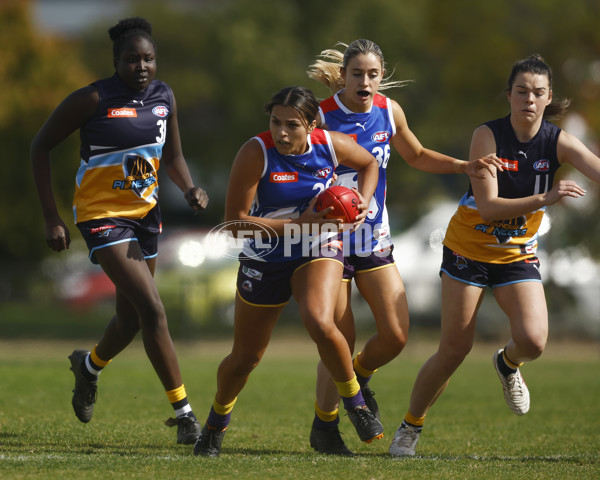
(121, 148)
(529, 169)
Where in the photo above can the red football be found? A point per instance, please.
(343, 200)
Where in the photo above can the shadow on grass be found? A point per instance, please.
(14, 444)
(584, 458)
(85, 447)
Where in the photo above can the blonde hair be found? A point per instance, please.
(326, 68)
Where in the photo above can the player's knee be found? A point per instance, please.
(319, 330)
(242, 363)
(454, 353)
(326, 335)
(393, 341)
(531, 342)
(152, 316)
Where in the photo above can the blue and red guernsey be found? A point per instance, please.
(373, 130)
(121, 148)
(288, 183)
(529, 169)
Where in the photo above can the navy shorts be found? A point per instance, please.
(354, 264)
(268, 284)
(492, 275)
(104, 232)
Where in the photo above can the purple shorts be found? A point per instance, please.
(104, 232)
(268, 284)
(354, 264)
(492, 275)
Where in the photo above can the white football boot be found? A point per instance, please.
(405, 441)
(516, 393)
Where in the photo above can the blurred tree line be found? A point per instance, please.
(225, 58)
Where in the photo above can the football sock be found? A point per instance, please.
(362, 374)
(220, 415)
(93, 365)
(414, 422)
(178, 399)
(350, 393)
(325, 420)
(505, 365)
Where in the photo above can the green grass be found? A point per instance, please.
(469, 434)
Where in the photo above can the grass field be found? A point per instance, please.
(469, 434)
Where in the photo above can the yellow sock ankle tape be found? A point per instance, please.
(326, 416)
(97, 360)
(358, 368)
(349, 388)
(417, 421)
(510, 363)
(223, 409)
(176, 394)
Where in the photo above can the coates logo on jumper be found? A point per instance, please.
(229, 238)
(160, 111)
(283, 177)
(323, 173)
(380, 137)
(542, 165)
(510, 165)
(122, 113)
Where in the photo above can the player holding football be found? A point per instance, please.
(375, 122)
(344, 200)
(483, 250)
(128, 124)
(273, 184)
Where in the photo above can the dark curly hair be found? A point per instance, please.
(127, 29)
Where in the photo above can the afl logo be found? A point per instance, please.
(227, 239)
(160, 111)
(542, 165)
(380, 137)
(323, 173)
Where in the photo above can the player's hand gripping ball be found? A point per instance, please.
(343, 200)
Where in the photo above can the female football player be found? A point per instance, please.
(273, 184)
(128, 124)
(491, 242)
(375, 122)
